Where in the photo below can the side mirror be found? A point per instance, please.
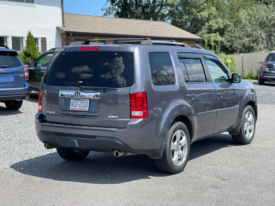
(261, 62)
(31, 64)
(236, 78)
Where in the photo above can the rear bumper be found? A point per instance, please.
(135, 138)
(15, 94)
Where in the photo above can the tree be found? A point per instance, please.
(31, 51)
(255, 31)
(137, 9)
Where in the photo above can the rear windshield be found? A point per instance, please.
(271, 58)
(9, 60)
(91, 68)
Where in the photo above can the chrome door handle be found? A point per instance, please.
(191, 95)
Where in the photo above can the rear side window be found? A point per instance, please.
(91, 68)
(271, 58)
(194, 70)
(162, 71)
(9, 60)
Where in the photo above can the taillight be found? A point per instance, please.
(265, 65)
(40, 97)
(89, 48)
(26, 74)
(139, 105)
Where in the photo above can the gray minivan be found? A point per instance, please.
(141, 97)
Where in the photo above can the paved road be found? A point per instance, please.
(219, 172)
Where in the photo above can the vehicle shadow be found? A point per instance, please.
(265, 84)
(5, 112)
(103, 168)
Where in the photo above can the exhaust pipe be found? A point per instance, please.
(117, 153)
(47, 146)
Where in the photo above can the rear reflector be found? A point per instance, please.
(40, 98)
(27, 94)
(139, 105)
(26, 74)
(265, 75)
(89, 48)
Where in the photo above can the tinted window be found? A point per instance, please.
(195, 70)
(9, 60)
(162, 71)
(271, 58)
(90, 68)
(184, 70)
(216, 72)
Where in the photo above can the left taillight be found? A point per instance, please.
(26, 74)
(40, 98)
(139, 105)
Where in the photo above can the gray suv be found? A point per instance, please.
(141, 97)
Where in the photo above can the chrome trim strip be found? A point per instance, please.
(9, 89)
(82, 127)
(82, 95)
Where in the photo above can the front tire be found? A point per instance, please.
(248, 126)
(14, 105)
(72, 155)
(176, 150)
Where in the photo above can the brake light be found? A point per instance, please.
(89, 48)
(40, 98)
(139, 105)
(265, 65)
(26, 74)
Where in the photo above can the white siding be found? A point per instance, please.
(41, 18)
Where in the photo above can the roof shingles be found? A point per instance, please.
(123, 27)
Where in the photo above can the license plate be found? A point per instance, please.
(6, 78)
(79, 105)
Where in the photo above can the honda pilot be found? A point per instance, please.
(145, 97)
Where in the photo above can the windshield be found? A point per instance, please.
(9, 60)
(91, 68)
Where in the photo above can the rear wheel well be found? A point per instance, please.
(185, 120)
(253, 105)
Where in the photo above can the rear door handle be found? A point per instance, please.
(191, 95)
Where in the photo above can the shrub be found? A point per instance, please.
(251, 74)
(31, 52)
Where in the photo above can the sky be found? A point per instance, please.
(86, 7)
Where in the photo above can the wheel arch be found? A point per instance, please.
(254, 106)
(188, 123)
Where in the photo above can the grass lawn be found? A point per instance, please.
(254, 80)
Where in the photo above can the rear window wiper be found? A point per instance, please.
(5, 66)
(90, 87)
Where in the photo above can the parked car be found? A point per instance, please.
(141, 97)
(38, 67)
(14, 86)
(267, 70)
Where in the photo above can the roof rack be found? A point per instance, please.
(2, 45)
(141, 41)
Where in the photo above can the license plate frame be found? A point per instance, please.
(79, 104)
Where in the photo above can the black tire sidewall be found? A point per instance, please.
(14, 105)
(177, 126)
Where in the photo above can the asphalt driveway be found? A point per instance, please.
(219, 172)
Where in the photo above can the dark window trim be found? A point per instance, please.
(205, 69)
(173, 65)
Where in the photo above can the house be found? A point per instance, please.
(80, 27)
(52, 28)
(41, 17)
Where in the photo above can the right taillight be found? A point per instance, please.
(40, 98)
(265, 65)
(139, 105)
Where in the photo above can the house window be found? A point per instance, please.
(3, 41)
(37, 43)
(17, 43)
(21, 1)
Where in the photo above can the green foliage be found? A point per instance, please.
(137, 9)
(31, 52)
(251, 74)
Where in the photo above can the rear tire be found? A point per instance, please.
(14, 105)
(176, 150)
(248, 127)
(261, 81)
(72, 155)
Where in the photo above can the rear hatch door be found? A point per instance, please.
(271, 63)
(89, 88)
(11, 71)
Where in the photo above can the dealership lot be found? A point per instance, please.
(219, 172)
